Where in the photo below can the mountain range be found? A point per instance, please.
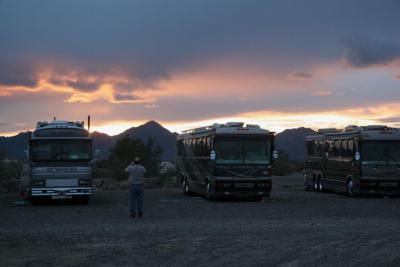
(290, 141)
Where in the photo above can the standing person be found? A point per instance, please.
(136, 172)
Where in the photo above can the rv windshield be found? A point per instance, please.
(60, 150)
(381, 152)
(242, 151)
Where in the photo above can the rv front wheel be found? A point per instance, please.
(208, 191)
(185, 186)
(350, 187)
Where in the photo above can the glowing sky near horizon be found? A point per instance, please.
(281, 64)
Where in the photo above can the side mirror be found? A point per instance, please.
(275, 154)
(26, 154)
(213, 156)
(97, 153)
(357, 156)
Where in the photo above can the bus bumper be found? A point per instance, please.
(61, 192)
(233, 187)
(379, 187)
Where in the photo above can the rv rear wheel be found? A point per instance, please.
(350, 187)
(315, 181)
(185, 186)
(209, 196)
(320, 186)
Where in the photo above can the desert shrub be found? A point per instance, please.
(10, 171)
(285, 166)
(125, 151)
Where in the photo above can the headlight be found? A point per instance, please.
(83, 182)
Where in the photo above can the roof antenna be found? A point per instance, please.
(88, 123)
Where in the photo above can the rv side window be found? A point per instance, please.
(315, 148)
(320, 148)
(350, 147)
(337, 152)
(344, 148)
(202, 150)
(187, 147)
(329, 148)
(193, 147)
(196, 147)
(179, 147)
(310, 149)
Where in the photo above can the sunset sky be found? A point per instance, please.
(282, 64)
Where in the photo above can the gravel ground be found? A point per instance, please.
(292, 228)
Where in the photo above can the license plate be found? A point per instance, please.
(60, 197)
(388, 184)
(244, 185)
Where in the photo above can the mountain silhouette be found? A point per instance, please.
(291, 141)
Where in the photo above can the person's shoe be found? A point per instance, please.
(140, 215)
(132, 216)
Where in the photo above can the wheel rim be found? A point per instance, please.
(185, 186)
(350, 186)
(208, 190)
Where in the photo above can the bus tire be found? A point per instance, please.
(320, 185)
(208, 193)
(315, 184)
(185, 186)
(350, 187)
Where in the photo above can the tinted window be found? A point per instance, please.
(310, 148)
(242, 150)
(337, 151)
(61, 133)
(329, 147)
(350, 147)
(61, 150)
(344, 148)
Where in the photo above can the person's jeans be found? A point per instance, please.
(136, 198)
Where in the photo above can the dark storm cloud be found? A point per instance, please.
(123, 87)
(364, 53)
(84, 85)
(134, 85)
(125, 97)
(78, 85)
(17, 74)
(149, 40)
(300, 74)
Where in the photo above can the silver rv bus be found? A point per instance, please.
(59, 157)
(357, 160)
(225, 160)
